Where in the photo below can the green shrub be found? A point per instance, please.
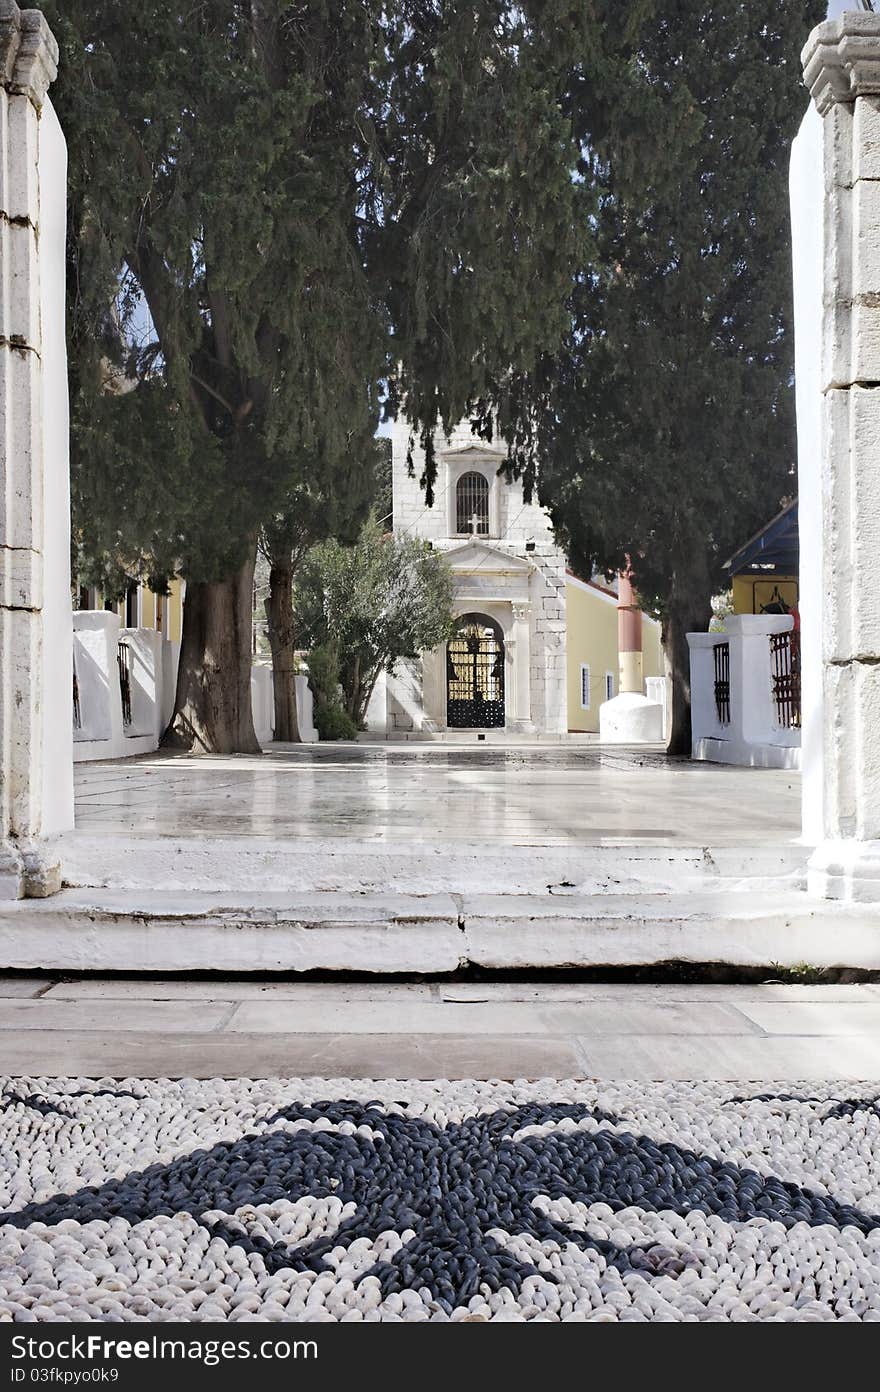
(332, 721)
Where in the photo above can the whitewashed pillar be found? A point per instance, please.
(520, 716)
(842, 71)
(35, 628)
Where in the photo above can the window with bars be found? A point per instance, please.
(131, 607)
(472, 505)
(585, 686)
(609, 686)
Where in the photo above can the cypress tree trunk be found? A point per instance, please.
(688, 610)
(279, 615)
(212, 707)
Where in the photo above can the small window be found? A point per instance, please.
(472, 505)
(609, 686)
(585, 686)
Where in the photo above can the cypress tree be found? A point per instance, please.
(666, 425)
(274, 208)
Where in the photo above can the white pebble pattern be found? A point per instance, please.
(309, 1199)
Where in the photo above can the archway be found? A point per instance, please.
(475, 674)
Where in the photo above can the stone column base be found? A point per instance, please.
(521, 727)
(845, 870)
(29, 870)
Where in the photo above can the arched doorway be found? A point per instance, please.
(475, 674)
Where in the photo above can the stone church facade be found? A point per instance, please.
(506, 665)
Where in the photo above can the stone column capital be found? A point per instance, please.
(28, 52)
(521, 612)
(841, 59)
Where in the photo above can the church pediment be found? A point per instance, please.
(489, 560)
(475, 451)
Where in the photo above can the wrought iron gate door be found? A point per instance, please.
(475, 675)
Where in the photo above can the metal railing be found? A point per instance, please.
(123, 662)
(77, 713)
(721, 654)
(785, 656)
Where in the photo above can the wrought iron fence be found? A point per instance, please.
(721, 653)
(123, 661)
(785, 656)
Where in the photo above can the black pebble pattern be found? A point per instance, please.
(452, 1186)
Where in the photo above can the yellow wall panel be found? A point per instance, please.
(591, 638)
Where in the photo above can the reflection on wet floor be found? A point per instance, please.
(530, 795)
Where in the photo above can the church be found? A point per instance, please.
(535, 647)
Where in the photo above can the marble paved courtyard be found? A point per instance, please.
(544, 794)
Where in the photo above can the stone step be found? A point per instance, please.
(139, 930)
(240, 864)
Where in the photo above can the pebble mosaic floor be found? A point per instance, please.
(349, 1200)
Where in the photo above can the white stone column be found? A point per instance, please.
(35, 739)
(842, 70)
(519, 717)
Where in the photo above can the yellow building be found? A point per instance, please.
(764, 572)
(141, 608)
(591, 647)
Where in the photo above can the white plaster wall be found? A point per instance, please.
(806, 183)
(145, 659)
(377, 708)
(57, 647)
(659, 689)
(170, 657)
(305, 710)
(263, 701)
(753, 735)
(404, 696)
(96, 634)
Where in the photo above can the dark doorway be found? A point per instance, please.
(475, 674)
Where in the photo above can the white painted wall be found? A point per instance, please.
(57, 647)
(262, 701)
(806, 179)
(753, 735)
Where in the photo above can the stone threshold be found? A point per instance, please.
(240, 864)
(102, 930)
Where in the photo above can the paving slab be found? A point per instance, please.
(149, 988)
(647, 1057)
(21, 986)
(497, 1018)
(463, 992)
(627, 992)
(814, 1017)
(99, 1054)
(155, 1016)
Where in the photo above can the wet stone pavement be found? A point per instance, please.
(485, 794)
(305, 1200)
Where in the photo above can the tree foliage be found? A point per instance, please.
(375, 603)
(665, 426)
(275, 208)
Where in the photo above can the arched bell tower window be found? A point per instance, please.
(472, 505)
